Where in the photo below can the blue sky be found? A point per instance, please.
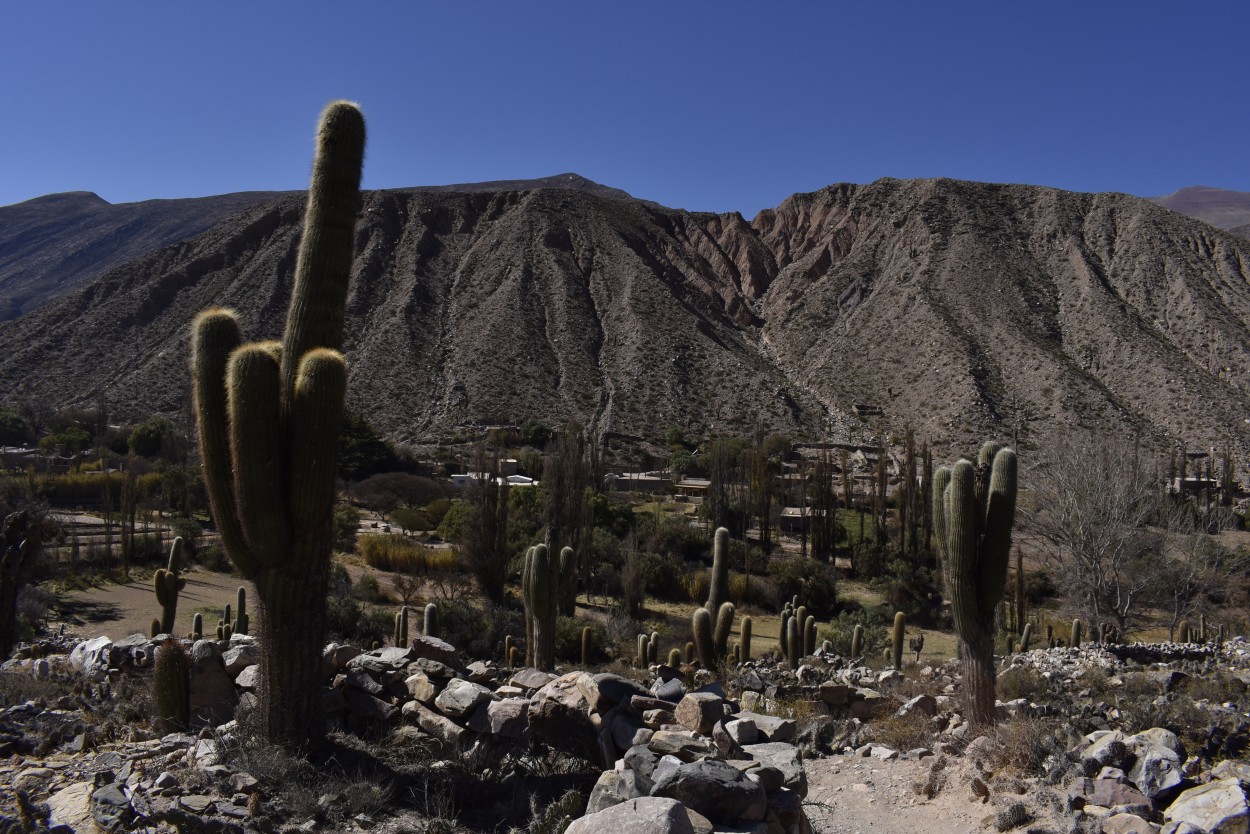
(713, 106)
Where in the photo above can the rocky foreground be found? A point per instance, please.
(676, 751)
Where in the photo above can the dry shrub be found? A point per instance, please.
(1027, 746)
(1024, 682)
(902, 732)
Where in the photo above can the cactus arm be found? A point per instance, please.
(961, 545)
(315, 317)
(316, 418)
(256, 441)
(1000, 514)
(214, 336)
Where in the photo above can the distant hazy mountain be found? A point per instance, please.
(964, 310)
(1220, 207)
(55, 244)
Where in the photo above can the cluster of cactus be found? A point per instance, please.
(269, 417)
(648, 649)
(167, 583)
(171, 686)
(796, 633)
(399, 636)
(540, 584)
(974, 509)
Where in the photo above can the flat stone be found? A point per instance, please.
(509, 718)
(1126, 824)
(238, 658)
(770, 727)
(615, 787)
(925, 704)
(460, 697)
(717, 790)
(248, 678)
(198, 803)
(110, 808)
(835, 694)
(645, 815)
(436, 649)
(91, 657)
(784, 757)
(71, 806)
(682, 744)
(422, 687)
(531, 680)
(387, 659)
(446, 731)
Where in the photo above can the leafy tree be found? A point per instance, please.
(14, 430)
(484, 538)
(534, 433)
(346, 523)
(150, 438)
(454, 520)
(410, 519)
(362, 451)
(71, 441)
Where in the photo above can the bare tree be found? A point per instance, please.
(484, 537)
(1095, 509)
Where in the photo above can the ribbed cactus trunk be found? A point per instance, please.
(541, 592)
(718, 587)
(973, 511)
(269, 417)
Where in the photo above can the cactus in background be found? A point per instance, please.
(724, 625)
(171, 684)
(585, 646)
(896, 640)
(269, 418)
(1182, 632)
(745, 639)
(197, 626)
(429, 620)
(857, 642)
(782, 631)
(167, 583)
(226, 618)
(653, 648)
(701, 626)
(974, 508)
(1026, 637)
(800, 614)
(809, 635)
(155, 628)
(401, 627)
(1202, 628)
(674, 657)
(1076, 634)
(514, 656)
(224, 631)
(718, 588)
(643, 650)
(241, 620)
(689, 653)
(507, 649)
(568, 582)
(541, 587)
(792, 642)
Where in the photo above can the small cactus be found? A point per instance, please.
(701, 627)
(718, 588)
(1076, 634)
(429, 624)
(792, 642)
(1026, 637)
(514, 656)
(644, 650)
(585, 646)
(857, 642)
(653, 648)
(809, 635)
(724, 625)
(896, 639)
(241, 621)
(197, 626)
(171, 684)
(689, 651)
(782, 631)
(745, 639)
(674, 657)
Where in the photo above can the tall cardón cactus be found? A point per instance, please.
(540, 586)
(974, 508)
(269, 416)
(167, 583)
(718, 588)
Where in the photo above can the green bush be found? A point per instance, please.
(665, 576)
(815, 583)
(188, 529)
(367, 589)
(478, 630)
(876, 623)
(214, 558)
(569, 640)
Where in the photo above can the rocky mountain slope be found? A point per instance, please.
(52, 245)
(962, 309)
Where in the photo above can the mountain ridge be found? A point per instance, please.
(964, 310)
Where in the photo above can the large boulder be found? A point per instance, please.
(213, 696)
(91, 657)
(615, 787)
(1217, 807)
(645, 815)
(460, 697)
(559, 713)
(770, 727)
(717, 790)
(1158, 757)
(784, 757)
(700, 712)
(435, 649)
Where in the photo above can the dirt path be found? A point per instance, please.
(850, 795)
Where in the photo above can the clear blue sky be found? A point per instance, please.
(705, 105)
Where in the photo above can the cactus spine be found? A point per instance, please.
(974, 511)
(171, 684)
(744, 642)
(241, 620)
(541, 593)
(718, 588)
(896, 639)
(269, 418)
(167, 584)
(701, 626)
